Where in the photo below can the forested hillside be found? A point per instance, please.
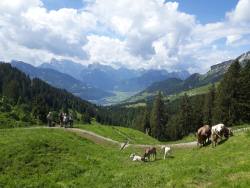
(33, 98)
(229, 103)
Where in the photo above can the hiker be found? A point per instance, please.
(61, 119)
(70, 119)
(49, 119)
(65, 120)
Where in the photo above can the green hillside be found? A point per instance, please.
(192, 92)
(140, 99)
(55, 158)
(120, 134)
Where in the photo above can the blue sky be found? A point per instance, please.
(151, 34)
(207, 11)
(58, 4)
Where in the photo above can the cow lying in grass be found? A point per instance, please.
(166, 150)
(136, 157)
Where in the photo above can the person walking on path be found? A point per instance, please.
(61, 119)
(49, 119)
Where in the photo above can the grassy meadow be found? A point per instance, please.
(56, 158)
(120, 134)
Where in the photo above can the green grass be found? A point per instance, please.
(241, 126)
(144, 95)
(120, 134)
(139, 97)
(118, 97)
(55, 158)
(140, 104)
(191, 92)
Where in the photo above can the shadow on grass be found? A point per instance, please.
(222, 141)
(209, 143)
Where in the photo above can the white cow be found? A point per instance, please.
(217, 132)
(166, 150)
(218, 128)
(135, 157)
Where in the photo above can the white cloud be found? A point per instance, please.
(233, 38)
(62, 32)
(144, 22)
(136, 34)
(109, 51)
(17, 6)
(241, 13)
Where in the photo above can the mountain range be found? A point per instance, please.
(174, 85)
(96, 82)
(63, 81)
(110, 79)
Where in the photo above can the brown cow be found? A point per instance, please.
(148, 152)
(203, 135)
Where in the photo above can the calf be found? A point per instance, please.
(136, 157)
(166, 150)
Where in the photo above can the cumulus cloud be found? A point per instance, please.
(144, 23)
(33, 27)
(148, 34)
(241, 13)
(109, 51)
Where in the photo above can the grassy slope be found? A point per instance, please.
(118, 97)
(54, 158)
(191, 92)
(120, 134)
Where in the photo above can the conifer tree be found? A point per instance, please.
(146, 122)
(186, 115)
(197, 106)
(158, 118)
(227, 108)
(244, 93)
(85, 118)
(209, 106)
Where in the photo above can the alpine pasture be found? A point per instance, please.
(42, 157)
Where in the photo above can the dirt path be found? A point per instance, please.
(98, 139)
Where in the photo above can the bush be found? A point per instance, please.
(86, 118)
(4, 107)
